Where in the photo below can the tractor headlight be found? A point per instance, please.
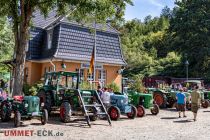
(26, 105)
(124, 101)
(42, 104)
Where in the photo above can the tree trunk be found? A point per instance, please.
(20, 62)
(21, 34)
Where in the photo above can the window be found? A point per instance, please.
(45, 70)
(102, 77)
(81, 71)
(90, 76)
(49, 38)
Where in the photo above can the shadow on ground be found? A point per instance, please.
(54, 120)
(184, 121)
(169, 118)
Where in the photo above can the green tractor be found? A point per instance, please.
(60, 92)
(28, 107)
(141, 101)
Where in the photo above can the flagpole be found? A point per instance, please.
(94, 66)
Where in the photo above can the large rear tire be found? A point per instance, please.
(133, 112)
(114, 113)
(93, 117)
(65, 112)
(205, 104)
(160, 99)
(5, 113)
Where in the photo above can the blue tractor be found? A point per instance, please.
(119, 105)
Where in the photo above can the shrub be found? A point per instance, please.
(32, 90)
(114, 87)
(137, 85)
(85, 85)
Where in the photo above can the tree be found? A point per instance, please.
(6, 44)
(20, 13)
(190, 30)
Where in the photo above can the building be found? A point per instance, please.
(55, 41)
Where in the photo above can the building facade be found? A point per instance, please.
(56, 41)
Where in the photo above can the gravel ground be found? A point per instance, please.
(165, 126)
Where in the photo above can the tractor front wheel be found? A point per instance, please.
(44, 117)
(205, 104)
(65, 112)
(133, 112)
(155, 109)
(17, 119)
(140, 111)
(114, 113)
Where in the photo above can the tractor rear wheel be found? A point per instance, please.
(5, 113)
(155, 109)
(65, 112)
(114, 113)
(93, 117)
(205, 104)
(133, 112)
(140, 111)
(17, 119)
(160, 100)
(44, 117)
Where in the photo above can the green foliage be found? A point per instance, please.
(114, 87)
(32, 90)
(6, 46)
(190, 30)
(146, 48)
(85, 85)
(20, 13)
(137, 85)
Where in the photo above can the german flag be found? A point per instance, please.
(91, 68)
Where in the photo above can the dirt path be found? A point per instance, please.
(165, 126)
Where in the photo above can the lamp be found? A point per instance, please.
(63, 65)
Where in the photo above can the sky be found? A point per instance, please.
(143, 8)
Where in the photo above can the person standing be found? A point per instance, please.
(195, 101)
(99, 90)
(105, 97)
(181, 102)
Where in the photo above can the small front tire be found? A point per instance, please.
(155, 109)
(133, 112)
(44, 118)
(140, 111)
(17, 119)
(114, 113)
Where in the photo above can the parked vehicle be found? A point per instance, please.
(28, 107)
(61, 91)
(120, 106)
(141, 101)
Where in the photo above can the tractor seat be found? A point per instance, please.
(18, 98)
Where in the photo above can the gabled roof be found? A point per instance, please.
(76, 43)
(73, 41)
(39, 20)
